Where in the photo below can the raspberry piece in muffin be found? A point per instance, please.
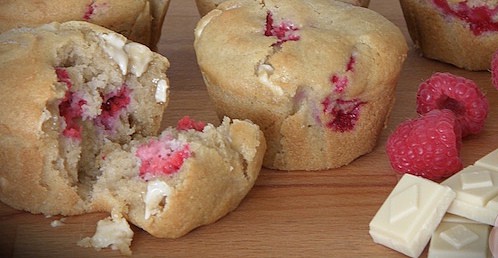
(187, 123)
(70, 107)
(351, 63)
(164, 156)
(463, 33)
(480, 18)
(90, 9)
(341, 81)
(113, 105)
(284, 31)
(344, 114)
(63, 76)
(71, 110)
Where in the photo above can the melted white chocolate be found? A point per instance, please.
(157, 192)
(139, 58)
(114, 47)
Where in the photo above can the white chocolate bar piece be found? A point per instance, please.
(477, 193)
(410, 214)
(460, 240)
(490, 161)
(448, 217)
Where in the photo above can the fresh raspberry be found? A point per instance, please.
(494, 69)
(187, 123)
(458, 94)
(428, 146)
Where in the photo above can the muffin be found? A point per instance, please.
(188, 177)
(463, 33)
(84, 107)
(68, 89)
(205, 6)
(140, 21)
(318, 77)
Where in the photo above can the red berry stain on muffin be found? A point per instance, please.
(112, 107)
(162, 157)
(351, 64)
(63, 76)
(344, 114)
(480, 18)
(90, 9)
(186, 123)
(341, 81)
(285, 31)
(70, 107)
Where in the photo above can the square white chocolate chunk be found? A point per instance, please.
(490, 161)
(459, 236)
(460, 240)
(477, 194)
(410, 214)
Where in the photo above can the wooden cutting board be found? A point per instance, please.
(287, 214)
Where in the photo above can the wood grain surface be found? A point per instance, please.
(287, 214)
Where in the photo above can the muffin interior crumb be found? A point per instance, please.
(96, 103)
